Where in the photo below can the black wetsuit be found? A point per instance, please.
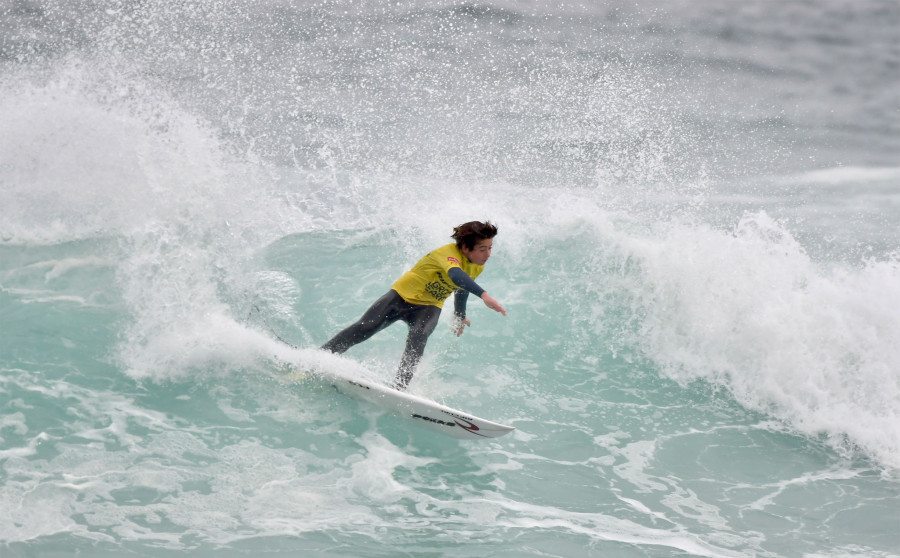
(421, 319)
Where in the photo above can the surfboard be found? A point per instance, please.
(423, 411)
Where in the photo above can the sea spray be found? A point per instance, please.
(697, 234)
(749, 311)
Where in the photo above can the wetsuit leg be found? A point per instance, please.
(385, 311)
(422, 320)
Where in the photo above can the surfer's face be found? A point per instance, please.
(480, 253)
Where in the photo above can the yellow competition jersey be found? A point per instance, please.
(428, 283)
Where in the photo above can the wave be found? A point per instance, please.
(186, 224)
(817, 346)
(98, 150)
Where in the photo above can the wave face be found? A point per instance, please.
(698, 251)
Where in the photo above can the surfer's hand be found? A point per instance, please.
(459, 325)
(491, 303)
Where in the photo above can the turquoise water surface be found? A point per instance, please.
(698, 252)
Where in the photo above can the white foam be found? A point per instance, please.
(816, 346)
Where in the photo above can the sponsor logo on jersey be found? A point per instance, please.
(440, 289)
(454, 260)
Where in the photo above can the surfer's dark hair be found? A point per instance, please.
(468, 234)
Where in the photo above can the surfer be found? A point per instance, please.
(419, 294)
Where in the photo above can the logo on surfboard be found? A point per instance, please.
(469, 426)
(434, 420)
(457, 415)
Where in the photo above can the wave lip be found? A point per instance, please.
(815, 346)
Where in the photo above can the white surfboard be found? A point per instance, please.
(426, 412)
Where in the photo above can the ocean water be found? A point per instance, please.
(699, 252)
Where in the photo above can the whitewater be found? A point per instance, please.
(699, 252)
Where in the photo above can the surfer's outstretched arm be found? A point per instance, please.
(492, 303)
(467, 285)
